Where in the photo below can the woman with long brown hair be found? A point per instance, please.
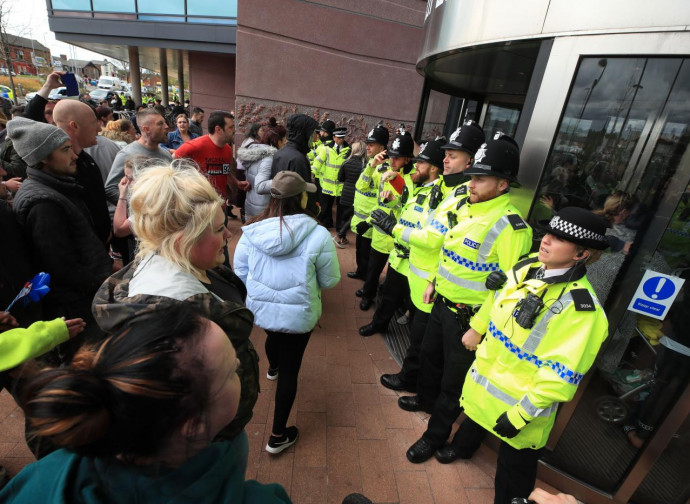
(285, 258)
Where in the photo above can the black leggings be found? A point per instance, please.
(284, 352)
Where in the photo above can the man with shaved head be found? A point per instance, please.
(154, 131)
(79, 121)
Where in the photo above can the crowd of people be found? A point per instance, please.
(136, 372)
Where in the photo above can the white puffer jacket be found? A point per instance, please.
(285, 269)
(257, 160)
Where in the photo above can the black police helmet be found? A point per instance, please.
(432, 152)
(499, 157)
(402, 146)
(328, 126)
(468, 137)
(379, 134)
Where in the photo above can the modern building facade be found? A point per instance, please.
(596, 94)
(350, 60)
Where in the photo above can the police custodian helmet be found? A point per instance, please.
(379, 134)
(499, 157)
(432, 152)
(468, 137)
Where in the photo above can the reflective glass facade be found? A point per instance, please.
(181, 11)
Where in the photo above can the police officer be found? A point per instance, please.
(329, 159)
(485, 233)
(395, 289)
(365, 201)
(425, 242)
(389, 200)
(541, 334)
(325, 138)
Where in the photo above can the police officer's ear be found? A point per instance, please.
(582, 255)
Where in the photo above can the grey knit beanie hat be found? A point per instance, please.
(34, 141)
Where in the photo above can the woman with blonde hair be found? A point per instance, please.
(178, 219)
(122, 132)
(181, 134)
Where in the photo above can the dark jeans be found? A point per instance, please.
(345, 214)
(410, 367)
(377, 261)
(516, 472)
(444, 363)
(395, 292)
(284, 352)
(362, 251)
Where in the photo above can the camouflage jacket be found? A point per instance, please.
(113, 308)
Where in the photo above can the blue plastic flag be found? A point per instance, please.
(33, 290)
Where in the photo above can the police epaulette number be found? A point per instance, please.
(583, 300)
(517, 222)
(461, 189)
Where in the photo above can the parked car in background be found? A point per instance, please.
(58, 94)
(98, 95)
(109, 83)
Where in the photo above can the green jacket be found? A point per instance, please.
(311, 155)
(365, 198)
(425, 242)
(214, 475)
(20, 345)
(380, 241)
(489, 236)
(528, 372)
(327, 165)
(412, 216)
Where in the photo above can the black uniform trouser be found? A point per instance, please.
(345, 213)
(362, 251)
(410, 367)
(377, 261)
(395, 291)
(516, 472)
(326, 215)
(444, 363)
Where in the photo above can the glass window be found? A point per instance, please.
(436, 112)
(501, 117)
(216, 8)
(158, 7)
(623, 137)
(114, 5)
(223, 21)
(74, 5)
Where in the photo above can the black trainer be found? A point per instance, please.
(278, 444)
(272, 373)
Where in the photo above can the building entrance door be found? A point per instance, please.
(621, 150)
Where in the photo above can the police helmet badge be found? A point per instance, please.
(481, 153)
(421, 149)
(455, 135)
(396, 144)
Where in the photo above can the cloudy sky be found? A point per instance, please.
(29, 18)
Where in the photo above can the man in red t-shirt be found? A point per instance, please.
(213, 153)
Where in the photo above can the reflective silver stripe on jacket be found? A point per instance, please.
(330, 181)
(379, 229)
(420, 273)
(467, 284)
(365, 178)
(526, 404)
(406, 234)
(490, 238)
(538, 331)
(361, 215)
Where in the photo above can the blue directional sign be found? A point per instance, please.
(655, 294)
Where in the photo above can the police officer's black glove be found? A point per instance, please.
(384, 221)
(496, 280)
(504, 428)
(362, 227)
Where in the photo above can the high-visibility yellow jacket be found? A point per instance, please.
(425, 242)
(489, 236)
(311, 155)
(329, 159)
(365, 198)
(412, 216)
(528, 372)
(380, 241)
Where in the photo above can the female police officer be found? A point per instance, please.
(542, 333)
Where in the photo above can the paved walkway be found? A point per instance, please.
(353, 436)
